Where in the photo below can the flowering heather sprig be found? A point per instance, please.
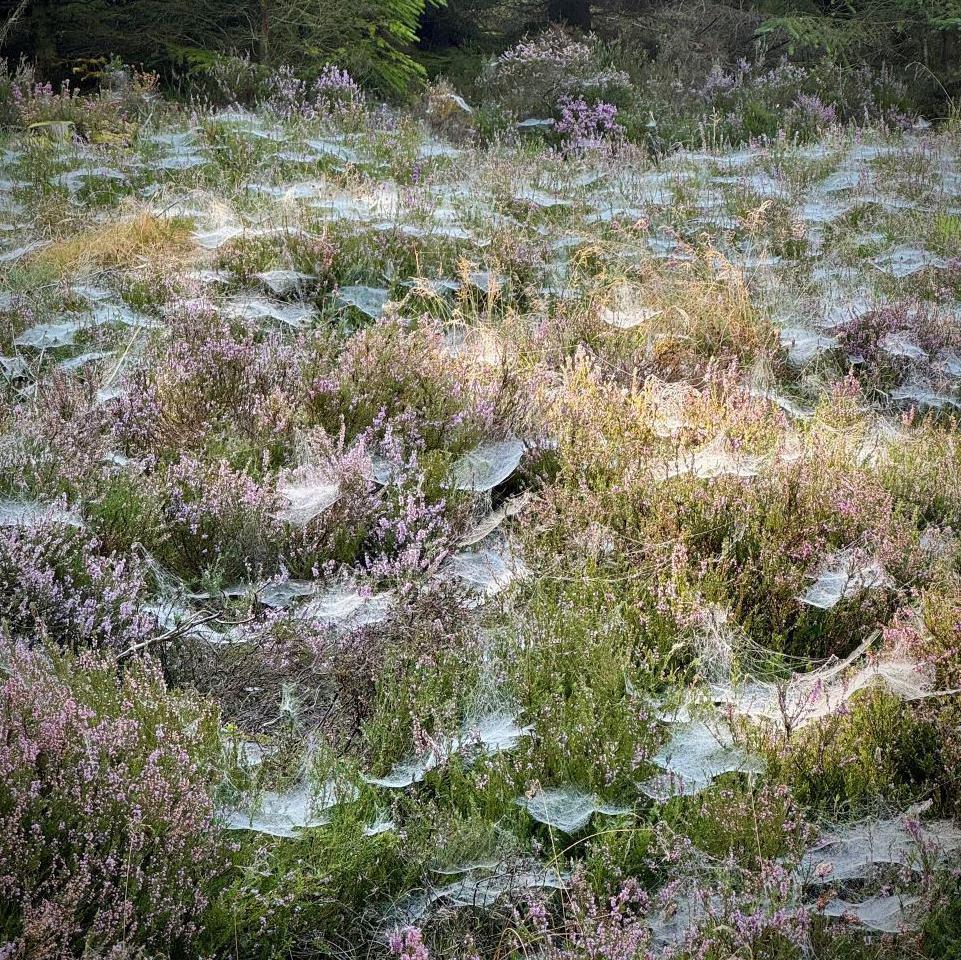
(61, 440)
(408, 944)
(55, 583)
(211, 372)
(217, 516)
(39, 103)
(615, 930)
(335, 90)
(337, 534)
(586, 126)
(412, 533)
(106, 830)
(384, 366)
(554, 46)
(869, 333)
(286, 93)
(815, 112)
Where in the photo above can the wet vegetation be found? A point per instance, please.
(520, 519)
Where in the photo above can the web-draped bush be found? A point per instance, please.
(534, 76)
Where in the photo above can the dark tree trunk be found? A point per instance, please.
(575, 13)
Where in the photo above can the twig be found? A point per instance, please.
(169, 635)
(12, 19)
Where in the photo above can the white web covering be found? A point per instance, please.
(380, 825)
(348, 607)
(842, 575)
(715, 459)
(693, 756)
(286, 814)
(488, 570)
(854, 852)
(295, 315)
(481, 885)
(924, 396)
(488, 465)
(803, 346)
(628, 316)
(906, 261)
(217, 238)
(29, 513)
(284, 282)
(493, 732)
(307, 496)
(884, 914)
(811, 696)
(566, 808)
(368, 300)
(50, 336)
(487, 525)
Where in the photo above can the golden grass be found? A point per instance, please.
(140, 240)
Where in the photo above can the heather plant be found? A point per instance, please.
(893, 343)
(755, 98)
(64, 445)
(226, 80)
(218, 521)
(213, 375)
(14, 81)
(108, 840)
(533, 76)
(890, 757)
(699, 316)
(59, 586)
(411, 691)
(410, 535)
(286, 93)
(336, 536)
(38, 103)
(596, 696)
(583, 127)
(393, 364)
(100, 119)
(763, 823)
(408, 944)
(332, 94)
(919, 472)
(782, 523)
(811, 116)
(287, 902)
(335, 91)
(314, 255)
(758, 920)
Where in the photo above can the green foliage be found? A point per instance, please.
(895, 31)
(817, 32)
(942, 929)
(880, 753)
(371, 38)
(313, 891)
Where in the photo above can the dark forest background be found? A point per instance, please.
(394, 45)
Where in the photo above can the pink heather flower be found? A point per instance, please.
(586, 126)
(106, 828)
(56, 583)
(408, 944)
